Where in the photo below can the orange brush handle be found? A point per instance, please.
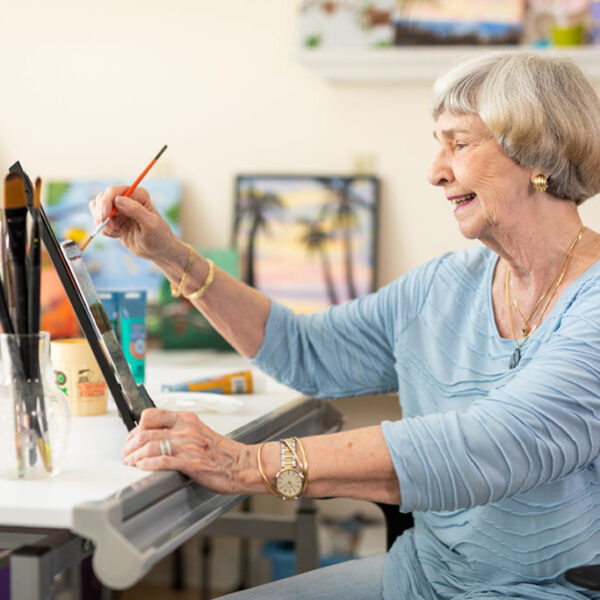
(132, 187)
(127, 193)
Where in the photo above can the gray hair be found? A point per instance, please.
(542, 110)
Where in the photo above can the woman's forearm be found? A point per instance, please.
(237, 311)
(350, 464)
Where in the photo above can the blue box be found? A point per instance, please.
(282, 557)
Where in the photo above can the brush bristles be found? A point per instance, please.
(14, 192)
(37, 193)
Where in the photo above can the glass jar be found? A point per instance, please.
(34, 413)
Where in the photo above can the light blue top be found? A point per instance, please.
(498, 465)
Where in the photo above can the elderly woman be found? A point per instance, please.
(494, 351)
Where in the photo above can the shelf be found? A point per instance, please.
(418, 63)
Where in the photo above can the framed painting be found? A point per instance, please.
(307, 241)
(466, 22)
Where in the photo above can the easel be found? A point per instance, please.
(131, 399)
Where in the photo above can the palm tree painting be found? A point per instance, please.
(315, 239)
(307, 241)
(257, 205)
(343, 208)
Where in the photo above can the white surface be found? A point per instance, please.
(93, 469)
(226, 404)
(419, 63)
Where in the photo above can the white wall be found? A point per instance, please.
(95, 88)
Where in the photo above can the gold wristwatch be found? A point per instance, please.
(289, 481)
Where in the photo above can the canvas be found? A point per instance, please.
(307, 241)
(458, 21)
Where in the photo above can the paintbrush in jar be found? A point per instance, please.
(33, 272)
(13, 208)
(19, 262)
(34, 257)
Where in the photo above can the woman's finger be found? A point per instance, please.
(145, 437)
(158, 418)
(154, 448)
(161, 463)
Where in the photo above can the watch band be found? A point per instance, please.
(288, 453)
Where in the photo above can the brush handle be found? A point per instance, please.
(127, 193)
(33, 294)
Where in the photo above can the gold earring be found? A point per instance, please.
(540, 183)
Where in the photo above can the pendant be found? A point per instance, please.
(515, 358)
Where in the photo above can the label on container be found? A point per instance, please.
(238, 385)
(133, 342)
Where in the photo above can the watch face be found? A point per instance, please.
(289, 483)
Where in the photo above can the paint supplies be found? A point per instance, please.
(126, 311)
(132, 329)
(34, 415)
(240, 382)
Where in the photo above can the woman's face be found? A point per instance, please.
(486, 189)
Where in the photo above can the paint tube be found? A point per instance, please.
(240, 382)
(132, 327)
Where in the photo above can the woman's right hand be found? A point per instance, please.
(137, 223)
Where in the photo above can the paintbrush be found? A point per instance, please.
(127, 193)
(15, 218)
(33, 262)
(14, 208)
(33, 318)
(33, 265)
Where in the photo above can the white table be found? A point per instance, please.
(129, 518)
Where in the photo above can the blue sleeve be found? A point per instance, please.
(540, 427)
(346, 350)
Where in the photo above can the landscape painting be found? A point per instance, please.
(307, 241)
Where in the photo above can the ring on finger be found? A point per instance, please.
(165, 448)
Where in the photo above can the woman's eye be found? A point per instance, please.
(459, 145)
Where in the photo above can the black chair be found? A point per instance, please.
(395, 522)
(586, 577)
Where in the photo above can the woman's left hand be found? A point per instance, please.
(179, 440)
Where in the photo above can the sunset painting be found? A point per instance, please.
(307, 241)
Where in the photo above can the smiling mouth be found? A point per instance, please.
(460, 200)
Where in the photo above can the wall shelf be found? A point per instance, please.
(417, 63)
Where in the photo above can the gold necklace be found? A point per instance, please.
(525, 330)
(553, 285)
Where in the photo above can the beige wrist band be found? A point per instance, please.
(207, 282)
(176, 292)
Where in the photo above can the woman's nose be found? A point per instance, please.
(440, 172)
